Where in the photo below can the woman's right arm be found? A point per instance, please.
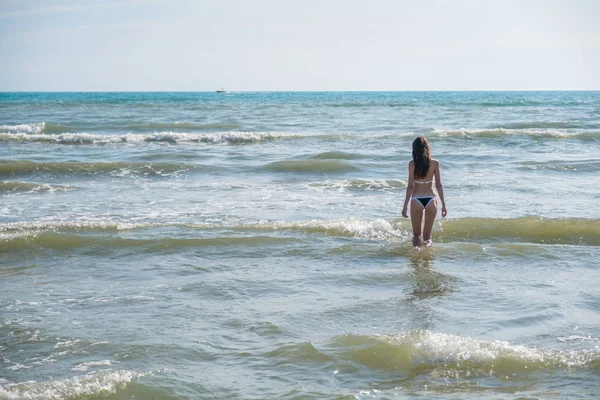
(410, 187)
(440, 189)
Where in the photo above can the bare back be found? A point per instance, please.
(424, 186)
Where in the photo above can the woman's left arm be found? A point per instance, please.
(440, 189)
(410, 187)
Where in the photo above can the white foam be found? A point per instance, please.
(67, 343)
(433, 348)
(30, 187)
(24, 128)
(350, 227)
(16, 230)
(17, 367)
(361, 184)
(161, 137)
(499, 132)
(43, 360)
(576, 337)
(91, 364)
(91, 384)
(376, 229)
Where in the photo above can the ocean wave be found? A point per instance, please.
(445, 101)
(543, 125)
(558, 165)
(75, 234)
(571, 231)
(34, 128)
(314, 166)
(6, 272)
(350, 227)
(30, 187)
(298, 353)
(509, 101)
(53, 235)
(494, 133)
(506, 103)
(13, 168)
(158, 137)
(102, 383)
(181, 125)
(87, 226)
(44, 127)
(371, 104)
(422, 350)
(361, 184)
(67, 241)
(337, 155)
(91, 364)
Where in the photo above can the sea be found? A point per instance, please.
(250, 245)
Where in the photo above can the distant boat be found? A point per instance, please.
(221, 90)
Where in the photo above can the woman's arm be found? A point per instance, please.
(440, 188)
(409, 188)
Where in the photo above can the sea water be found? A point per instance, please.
(250, 246)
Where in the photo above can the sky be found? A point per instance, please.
(299, 45)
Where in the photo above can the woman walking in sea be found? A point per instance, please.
(422, 172)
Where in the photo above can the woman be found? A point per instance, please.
(422, 171)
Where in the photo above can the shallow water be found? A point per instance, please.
(249, 245)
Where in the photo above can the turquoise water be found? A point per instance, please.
(250, 245)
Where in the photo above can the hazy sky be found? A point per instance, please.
(197, 45)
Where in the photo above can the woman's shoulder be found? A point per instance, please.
(435, 162)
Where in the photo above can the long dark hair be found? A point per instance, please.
(421, 156)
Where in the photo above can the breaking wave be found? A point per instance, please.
(534, 133)
(87, 386)
(351, 227)
(361, 184)
(582, 165)
(30, 187)
(422, 350)
(158, 137)
(24, 128)
(93, 168)
(572, 231)
(73, 234)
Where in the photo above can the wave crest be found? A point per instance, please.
(93, 384)
(362, 184)
(351, 227)
(30, 187)
(534, 133)
(133, 138)
(425, 349)
(465, 230)
(35, 128)
(92, 168)
(576, 231)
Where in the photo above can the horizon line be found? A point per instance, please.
(300, 91)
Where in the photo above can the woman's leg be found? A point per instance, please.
(430, 214)
(416, 218)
